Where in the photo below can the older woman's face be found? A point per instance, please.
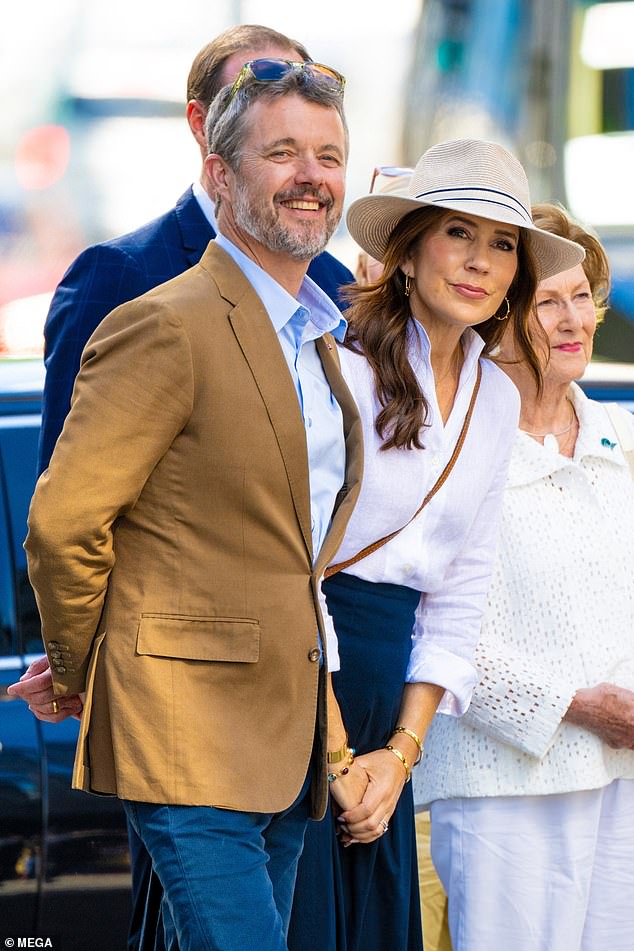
(566, 312)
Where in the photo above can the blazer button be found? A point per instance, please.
(60, 670)
(314, 655)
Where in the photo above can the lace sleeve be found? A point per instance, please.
(519, 700)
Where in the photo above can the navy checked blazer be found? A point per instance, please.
(106, 275)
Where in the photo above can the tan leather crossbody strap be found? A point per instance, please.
(442, 478)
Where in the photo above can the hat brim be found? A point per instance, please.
(372, 219)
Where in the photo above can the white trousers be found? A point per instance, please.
(538, 873)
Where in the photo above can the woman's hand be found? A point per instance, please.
(607, 711)
(368, 820)
(35, 687)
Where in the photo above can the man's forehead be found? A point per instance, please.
(293, 118)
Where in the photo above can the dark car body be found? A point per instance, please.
(64, 864)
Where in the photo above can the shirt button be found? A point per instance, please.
(314, 654)
(309, 422)
(408, 569)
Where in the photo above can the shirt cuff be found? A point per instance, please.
(434, 665)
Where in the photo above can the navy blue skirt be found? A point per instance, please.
(365, 897)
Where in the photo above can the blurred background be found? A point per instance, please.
(94, 141)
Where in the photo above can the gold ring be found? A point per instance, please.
(55, 706)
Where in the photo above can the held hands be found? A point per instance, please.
(35, 687)
(607, 711)
(368, 820)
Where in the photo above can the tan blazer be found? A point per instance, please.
(170, 551)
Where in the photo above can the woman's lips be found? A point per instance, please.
(568, 347)
(470, 291)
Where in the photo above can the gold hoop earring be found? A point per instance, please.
(408, 285)
(508, 311)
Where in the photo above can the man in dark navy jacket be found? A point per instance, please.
(106, 275)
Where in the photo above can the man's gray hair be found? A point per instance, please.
(227, 121)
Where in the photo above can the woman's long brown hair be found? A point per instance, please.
(379, 319)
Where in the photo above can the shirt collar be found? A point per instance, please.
(206, 204)
(281, 306)
(596, 439)
(472, 345)
(596, 433)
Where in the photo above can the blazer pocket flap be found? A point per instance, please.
(199, 638)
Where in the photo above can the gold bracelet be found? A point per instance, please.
(406, 766)
(417, 740)
(332, 776)
(335, 756)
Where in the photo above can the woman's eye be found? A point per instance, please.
(457, 232)
(505, 246)
(547, 302)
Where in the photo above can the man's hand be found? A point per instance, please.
(607, 711)
(35, 687)
(348, 790)
(367, 821)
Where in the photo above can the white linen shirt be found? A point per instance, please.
(447, 552)
(560, 616)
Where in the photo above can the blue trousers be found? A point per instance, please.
(228, 876)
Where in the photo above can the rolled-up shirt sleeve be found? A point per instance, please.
(448, 620)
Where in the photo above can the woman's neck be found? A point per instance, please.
(446, 364)
(549, 413)
(551, 420)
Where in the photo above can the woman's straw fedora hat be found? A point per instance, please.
(470, 176)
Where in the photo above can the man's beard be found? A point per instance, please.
(303, 241)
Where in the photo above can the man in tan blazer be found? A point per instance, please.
(177, 539)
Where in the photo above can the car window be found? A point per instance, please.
(8, 642)
(18, 457)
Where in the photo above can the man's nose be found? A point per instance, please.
(309, 171)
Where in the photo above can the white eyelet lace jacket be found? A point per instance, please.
(560, 616)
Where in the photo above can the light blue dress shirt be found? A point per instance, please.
(298, 323)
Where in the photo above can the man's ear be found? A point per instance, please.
(218, 174)
(196, 115)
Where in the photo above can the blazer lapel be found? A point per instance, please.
(354, 452)
(262, 351)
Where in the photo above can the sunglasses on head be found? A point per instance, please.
(388, 171)
(270, 70)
